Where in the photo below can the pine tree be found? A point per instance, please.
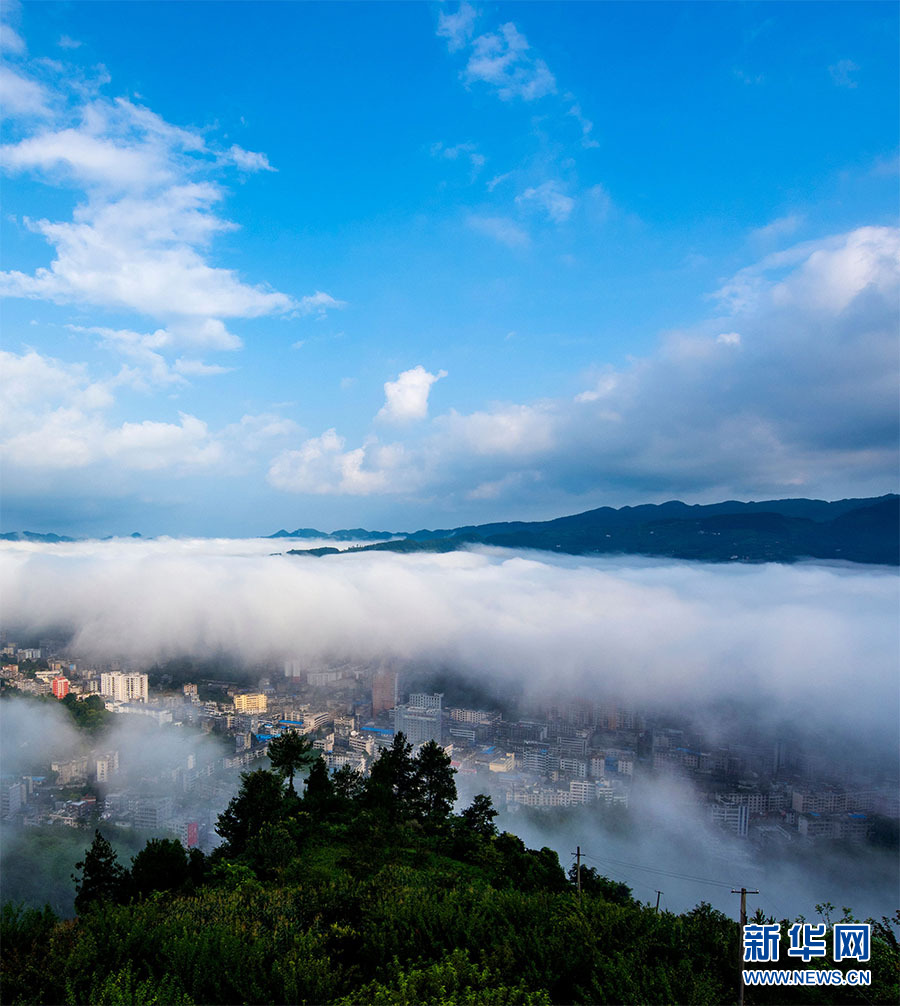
(436, 790)
(318, 796)
(289, 753)
(393, 784)
(480, 816)
(103, 878)
(259, 800)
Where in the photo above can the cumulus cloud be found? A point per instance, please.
(406, 398)
(138, 245)
(139, 238)
(55, 417)
(647, 631)
(321, 466)
(790, 390)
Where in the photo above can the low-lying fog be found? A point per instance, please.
(814, 641)
(811, 644)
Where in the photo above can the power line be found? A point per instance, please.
(651, 869)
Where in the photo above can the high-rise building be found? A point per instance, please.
(60, 687)
(106, 764)
(420, 718)
(384, 691)
(124, 687)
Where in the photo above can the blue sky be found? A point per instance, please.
(405, 265)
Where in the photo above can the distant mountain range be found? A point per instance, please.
(857, 530)
(50, 537)
(346, 534)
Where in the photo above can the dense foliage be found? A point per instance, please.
(372, 891)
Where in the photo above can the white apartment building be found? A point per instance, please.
(124, 687)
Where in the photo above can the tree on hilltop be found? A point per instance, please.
(259, 800)
(480, 816)
(289, 753)
(103, 878)
(436, 788)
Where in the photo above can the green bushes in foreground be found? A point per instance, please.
(372, 891)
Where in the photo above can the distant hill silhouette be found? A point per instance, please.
(34, 536)
(856, 530)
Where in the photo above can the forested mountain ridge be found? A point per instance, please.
(373, 891)
(854, 530)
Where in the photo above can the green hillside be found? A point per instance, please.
(372, 891)
(857, 530)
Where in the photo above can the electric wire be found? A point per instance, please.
(651, 869)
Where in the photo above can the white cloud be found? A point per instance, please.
(21, 96)
(782, 227)
(791, 391)
(501, 229)
(406, 398)
(56, 418)
(142, 254)
(11, 40)
(507, 431)
(321, 466)
(66, 42)
(549, 198)
(247, 160)
(257, 432)
(818, 275)
(319, 303)
(88, 158)
(498, 180)
(603, 388)
(587, 127)
(457, 28)
(842, 73)
(197, 368)
(467, 151)
(53, 417)
(139, 239)
(504, 60)
(152, 445)
(29, 379)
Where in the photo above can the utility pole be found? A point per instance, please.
(658, 893)
(743, 892)
(577, 855)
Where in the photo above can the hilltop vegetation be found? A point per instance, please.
(373, 891)
(857, 530)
